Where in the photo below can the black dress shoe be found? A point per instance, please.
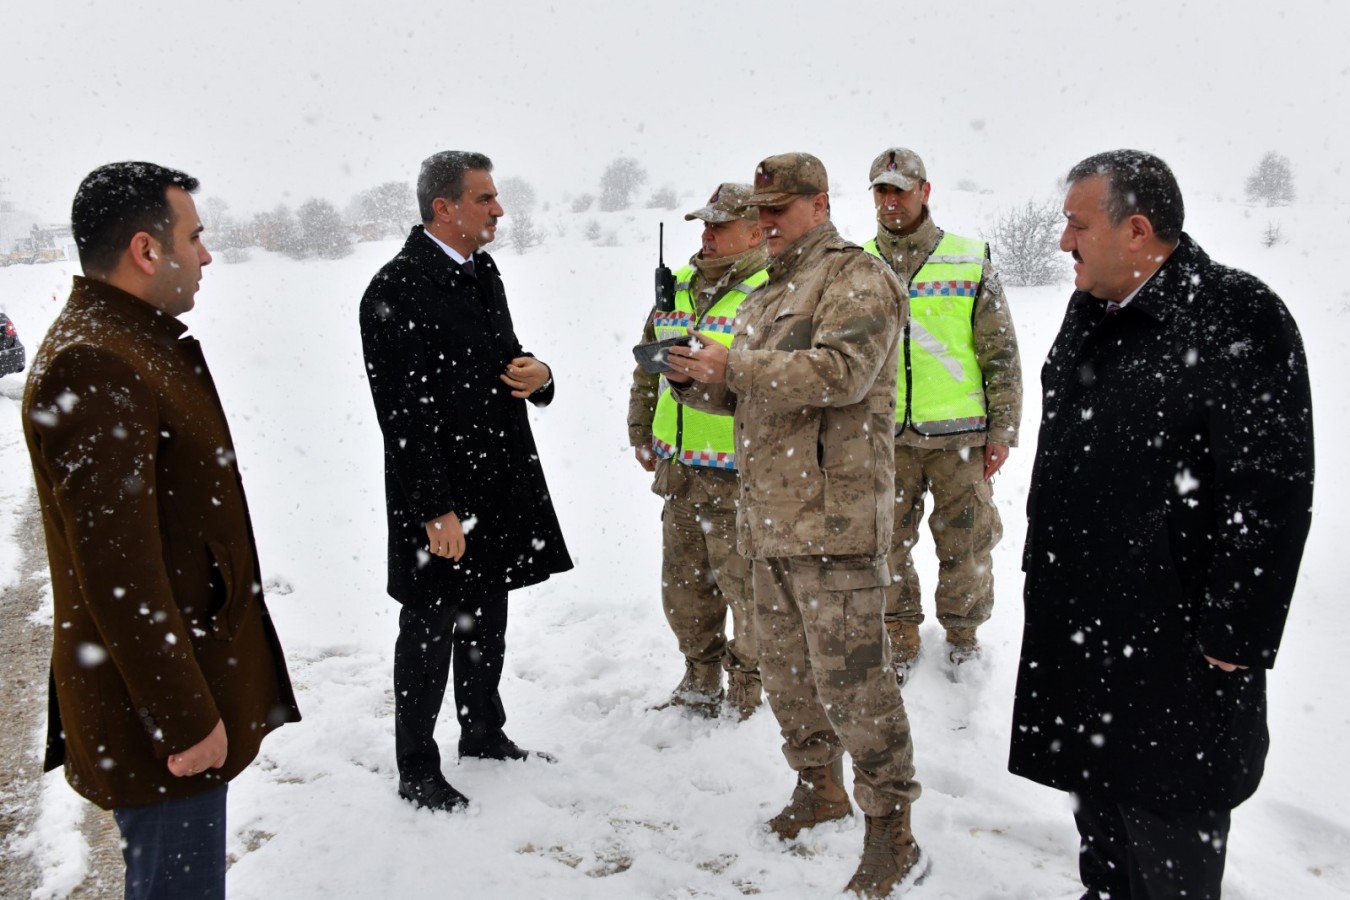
(502, 748)
(433, 793)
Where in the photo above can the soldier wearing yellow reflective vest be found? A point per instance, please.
(694, 458)
(958, 411)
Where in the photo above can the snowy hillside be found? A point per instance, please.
(653, 804)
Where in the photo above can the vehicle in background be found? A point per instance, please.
(12, 355)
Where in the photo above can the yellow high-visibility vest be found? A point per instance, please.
(687, 435)
(940, 388)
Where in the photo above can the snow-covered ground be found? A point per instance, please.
(653, 804)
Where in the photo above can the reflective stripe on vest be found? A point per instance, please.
(692, 437)
(940, 389)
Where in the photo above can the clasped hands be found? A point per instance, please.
(525, 375)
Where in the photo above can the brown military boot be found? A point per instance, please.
(744, 693)
(962, 645)
(700, 690)
(890, 857)
(905, 646)
(818, 797)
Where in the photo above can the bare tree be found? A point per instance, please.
(322, 230)
(522, 234)
(622, 177)
(663, 198)
(1025, 243)
(1272, 181)
(389, 207)
(215, 213)
(516, 195)
(277, 231)
(582, 202)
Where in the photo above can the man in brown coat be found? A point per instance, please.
(810, 381)
(166, 671)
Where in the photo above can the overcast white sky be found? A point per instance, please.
(279, 100)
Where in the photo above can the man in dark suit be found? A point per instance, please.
(469, 512)
(1169, 503)
(166, 670)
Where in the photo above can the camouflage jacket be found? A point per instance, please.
(994, 338)
(811, 383)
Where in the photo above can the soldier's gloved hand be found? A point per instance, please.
(645, 457)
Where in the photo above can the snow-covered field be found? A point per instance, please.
(653, 804)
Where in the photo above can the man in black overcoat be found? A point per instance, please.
(1169, 505)
(470, 515)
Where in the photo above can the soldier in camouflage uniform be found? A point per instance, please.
(810, 381)
(702, 574)
(959, 408)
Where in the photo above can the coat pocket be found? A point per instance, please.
(854, 573)
(793, 329)
(228, 601)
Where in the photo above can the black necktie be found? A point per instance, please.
(468, 267)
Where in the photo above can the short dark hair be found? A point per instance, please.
(1138, 183)
(442, 175)
(115, 202)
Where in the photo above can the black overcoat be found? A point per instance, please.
(1169, 504)
(436, 340)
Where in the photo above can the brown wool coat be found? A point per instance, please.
(160, 626)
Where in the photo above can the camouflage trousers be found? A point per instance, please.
(702, 576)
(965, 526)
(826, 664)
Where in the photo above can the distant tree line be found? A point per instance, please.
(1025, 239)
(316, 228)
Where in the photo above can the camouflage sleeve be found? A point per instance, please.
(642, 396)
(853, 329)
(1000, 362)
(709, 398)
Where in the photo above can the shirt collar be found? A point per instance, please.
(450, 251)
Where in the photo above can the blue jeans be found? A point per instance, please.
(175, 850)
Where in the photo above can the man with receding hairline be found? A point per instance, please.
(166, 671)
(1168, 508)
(468, 511)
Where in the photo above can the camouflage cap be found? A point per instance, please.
(782, 178)
(900, 167)
(726, 204)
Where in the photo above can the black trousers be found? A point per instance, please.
(471, 634)
(1128, 851)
